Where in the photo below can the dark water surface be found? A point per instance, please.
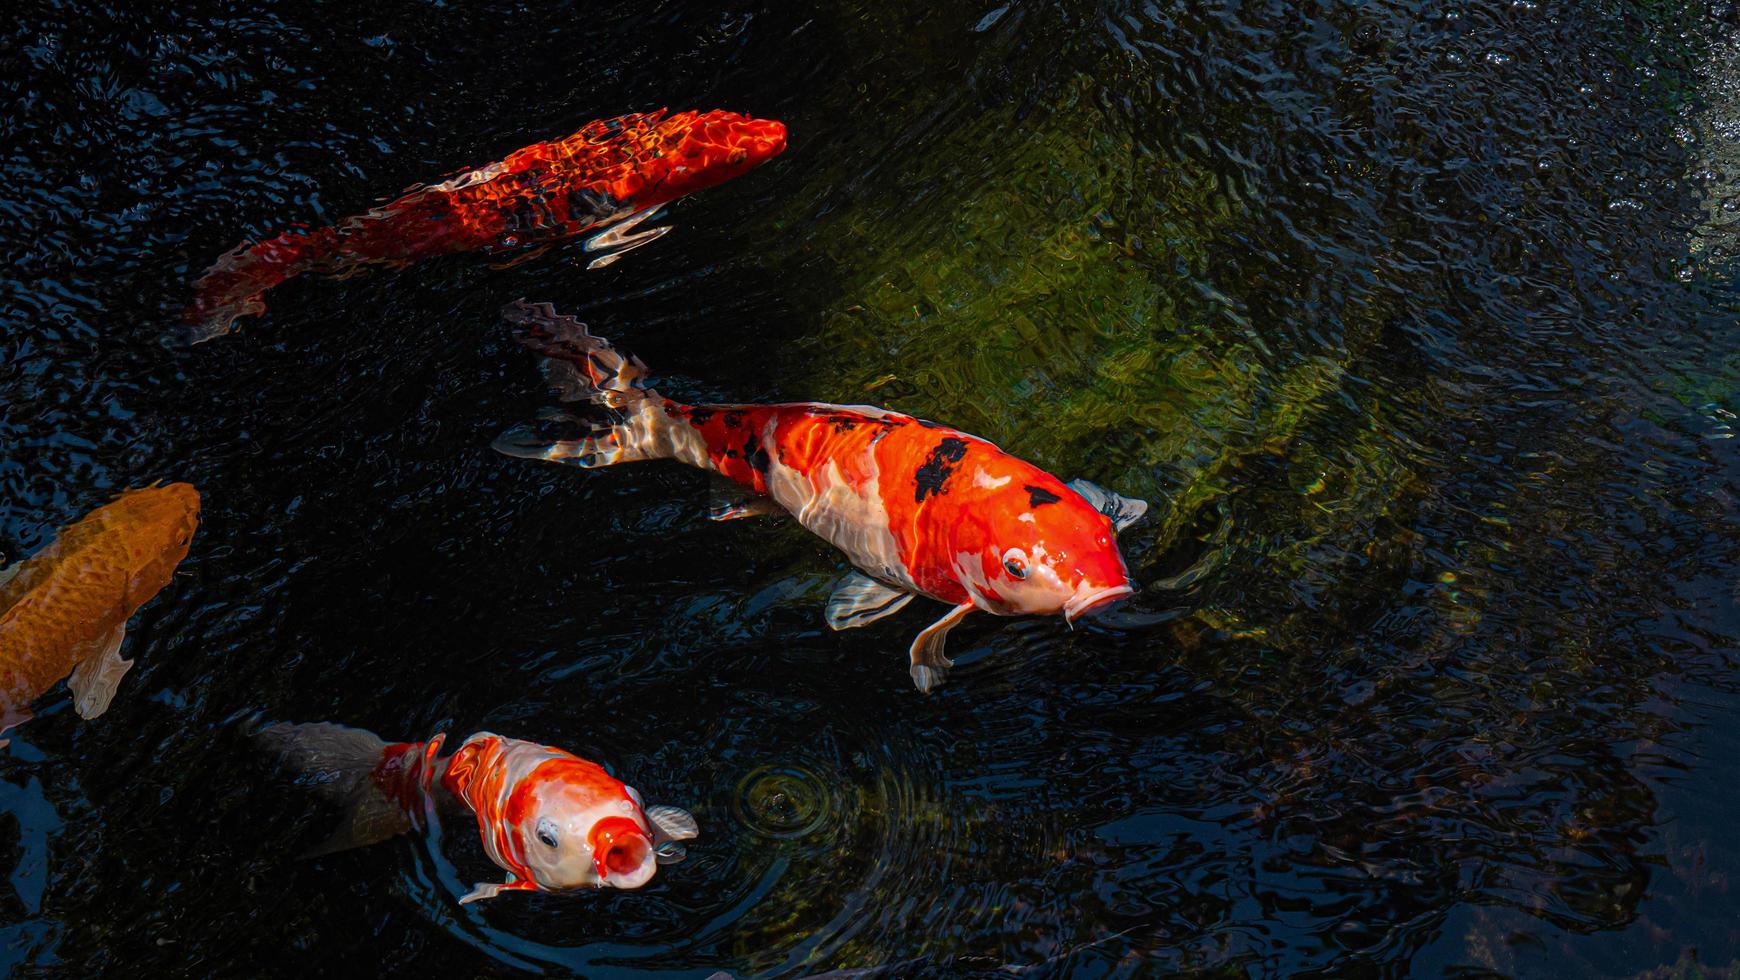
(1415, 320)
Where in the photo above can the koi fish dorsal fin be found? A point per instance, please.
(1123, 511)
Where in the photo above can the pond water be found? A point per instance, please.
(1416, 322)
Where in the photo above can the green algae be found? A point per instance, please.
(1057, 298)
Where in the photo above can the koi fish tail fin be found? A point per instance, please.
(235, 283)
(354, 769)
(580, 367)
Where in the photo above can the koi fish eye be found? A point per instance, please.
(547, 833)
(1015, 563)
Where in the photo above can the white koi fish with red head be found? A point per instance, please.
(553, 821)
(919, 508)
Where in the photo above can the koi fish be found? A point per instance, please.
(553, 821)
(613, 172)
(917, 507)
(65, 609)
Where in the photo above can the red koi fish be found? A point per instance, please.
(612, 172)
(918, 508)
(65, 609)
(552, 820)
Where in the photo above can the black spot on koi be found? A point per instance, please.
(700, 416)
(1037, 496)
(932, 478)
(733, 419)
(846, 423)
(755, 455)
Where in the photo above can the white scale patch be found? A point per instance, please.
(984, 480)
(856, 523)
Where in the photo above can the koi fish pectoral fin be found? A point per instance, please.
(492, 889)
(11, 716)
(929, 666)
(671, 823)
(733, 510)
(1185, 579)
(1123, 511)
(859, 600)
(94, 680)
(742, 509)
(617, 240)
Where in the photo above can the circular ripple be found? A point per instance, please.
(783, 802)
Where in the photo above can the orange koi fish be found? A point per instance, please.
(613, 172)
(918, 508)
(552, 820)
(65, 610)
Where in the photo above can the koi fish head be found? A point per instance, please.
(709, 149)
(159, 523)
(575, 827)
(1036, 547)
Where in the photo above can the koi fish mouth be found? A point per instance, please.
(622, 854)
(1083, 602)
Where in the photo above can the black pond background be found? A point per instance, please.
(1456, 695)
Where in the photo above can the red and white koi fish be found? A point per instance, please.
(613, 172)
(553, 821)
(919, 508)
